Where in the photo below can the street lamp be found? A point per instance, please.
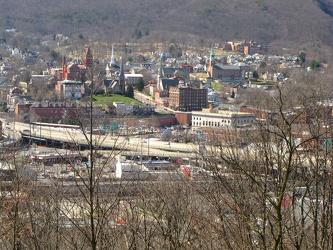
(40, 134)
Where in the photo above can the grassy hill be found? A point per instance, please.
(101, 99)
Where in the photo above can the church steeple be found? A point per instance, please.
(122, 77)
(64, 68)
(112, 60)
(160, 76)
(212, 55)
(88, 60)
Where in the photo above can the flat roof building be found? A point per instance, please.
(220, 118)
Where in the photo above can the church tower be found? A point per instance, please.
(112, 60)
(212, 56)
(210, 70)
(64, 69)
(160, 77)
(122, 77)
(88, 60)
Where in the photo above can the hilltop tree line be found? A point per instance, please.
(265, 21)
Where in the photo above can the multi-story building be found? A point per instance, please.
(226, 73)
(54, 111)
(69, 89)
(246, 47)
(72, 77)
(187, 99)
(133, 79)
(261, 114)
(221, 119)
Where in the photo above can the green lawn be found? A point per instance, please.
(260, 82)
(216, 85)
(102, 99)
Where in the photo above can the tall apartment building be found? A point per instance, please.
(187, 98)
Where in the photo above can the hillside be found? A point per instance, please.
(194, 21)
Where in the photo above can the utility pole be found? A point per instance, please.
(141, 121)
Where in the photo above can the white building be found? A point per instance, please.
(123, 109)
(132, 79)
(72, 89)
(221, 118)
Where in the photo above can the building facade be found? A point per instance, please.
(54, 112)
(72, 77)
(187, 99)
(221, 119)
(226, 73)
(69, 89)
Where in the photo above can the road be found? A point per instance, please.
(150, 101)
(135, 145)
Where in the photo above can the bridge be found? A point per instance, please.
(76, 139)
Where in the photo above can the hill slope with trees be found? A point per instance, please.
(265, 21)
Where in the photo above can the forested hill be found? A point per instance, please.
(265, 21)
(326, 6)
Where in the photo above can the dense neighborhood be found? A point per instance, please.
(185, 83)
(221, 147)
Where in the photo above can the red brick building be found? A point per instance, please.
(184, 118)
(261, 114)
(22, 111)
(72, 75)
(226, 73)
(189, 67)
(187, 99)
(53, 112)
(229, 136)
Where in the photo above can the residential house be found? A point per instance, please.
(183, 72)
(189, 67)
(6, 66)
(278, 77)
(15, 96)
(138, 70)
(150, 89)
(16, 52)
(5, 88)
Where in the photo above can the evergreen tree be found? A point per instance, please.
(140, 85)
(302, 57)
(314, 64)
(130, 91)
